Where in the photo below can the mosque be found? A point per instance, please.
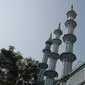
(69, 76)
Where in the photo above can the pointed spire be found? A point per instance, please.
(72, 7)
(59, 26)
(58, 30)
(50, 38)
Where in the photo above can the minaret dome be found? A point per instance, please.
(71, 14)
(49, 41)
(58, 31)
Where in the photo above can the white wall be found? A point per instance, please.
(77, 78)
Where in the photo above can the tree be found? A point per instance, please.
(15, 69)
(28, 71)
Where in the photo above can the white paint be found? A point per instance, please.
(69, 46)
(52, 64)
(49, 81)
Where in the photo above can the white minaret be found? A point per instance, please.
(43, 66)
(68, 57)
(51, 73)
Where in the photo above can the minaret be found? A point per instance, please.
(68, 57)
(51, 73)
(43, 66)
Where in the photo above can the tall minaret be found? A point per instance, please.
(68, 57)
(51, 73)
(43, 66)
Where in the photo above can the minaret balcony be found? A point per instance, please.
(58, 31)
(70, 23)
(46, 51)
(69, 37)
(50, 74)
(43, 65)
(68, 56)
(54, 55)
(56, 41)
(49, 42)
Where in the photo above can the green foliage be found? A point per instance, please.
(16, 70)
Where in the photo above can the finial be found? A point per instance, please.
(50, 38)
(71, 7)
(59, 26)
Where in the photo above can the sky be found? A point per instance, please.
(27, 24)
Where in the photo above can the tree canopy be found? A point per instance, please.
(15, 69)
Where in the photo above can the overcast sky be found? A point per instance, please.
(27, 24)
